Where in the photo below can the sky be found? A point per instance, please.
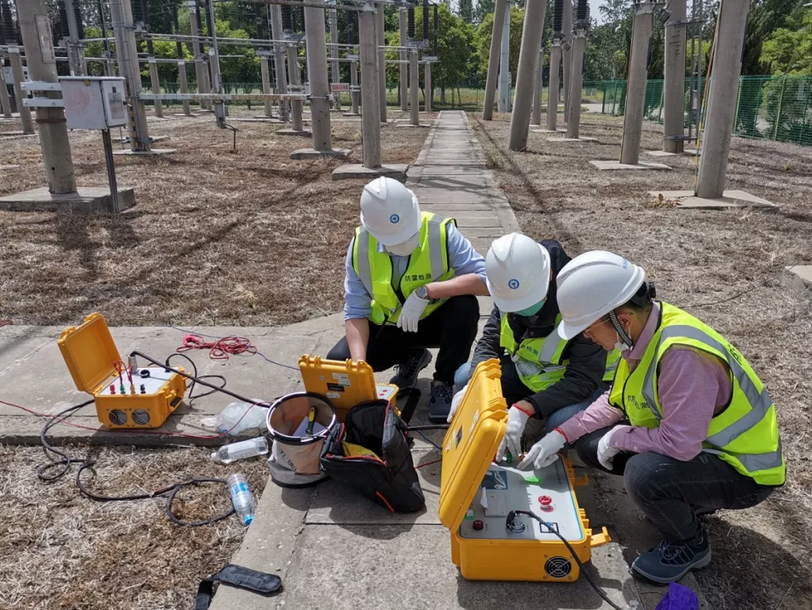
(593, 9)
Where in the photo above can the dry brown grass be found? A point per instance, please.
(59, 550)
(245, 238)
(699, 258)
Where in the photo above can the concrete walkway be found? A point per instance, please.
(333, 549)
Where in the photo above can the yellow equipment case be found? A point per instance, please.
(346, 384)
(477, 495)
(92, 357)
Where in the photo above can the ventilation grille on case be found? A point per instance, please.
(118, 417)
(140, 417)
(558, 567)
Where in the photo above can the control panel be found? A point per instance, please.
(545, 492)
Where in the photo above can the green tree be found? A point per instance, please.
(789, 51)
(467, 10)
(482, 9)
(484, 33)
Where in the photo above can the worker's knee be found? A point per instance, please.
(464, 309)
(340, 351)
(462, 376)
(644, 478)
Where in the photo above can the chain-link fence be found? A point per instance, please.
(769, 107)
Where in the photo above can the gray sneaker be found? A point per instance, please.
(406, 374)
(669, 562)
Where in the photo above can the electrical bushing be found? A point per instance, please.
(425, 20)
(63, 18)
(138, 11)
(582, 15)
(6, 26)
(287, 19)
(436, 28)
(80, 24)
(558, 18)
(410, 14)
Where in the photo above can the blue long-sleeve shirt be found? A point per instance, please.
(461, 256)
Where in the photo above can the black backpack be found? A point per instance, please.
(390, 481)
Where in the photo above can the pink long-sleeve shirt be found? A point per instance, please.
(692, 386)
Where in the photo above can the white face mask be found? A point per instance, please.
(620, 345)
(405, 248)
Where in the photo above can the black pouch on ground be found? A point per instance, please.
(371, 453)
(237, 576)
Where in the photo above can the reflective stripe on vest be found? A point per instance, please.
(744, 434)
(428, 263)
(612, 359)
(545, 353)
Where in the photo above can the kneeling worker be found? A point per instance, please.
(410, 283)
(687, 423)
(544, 377)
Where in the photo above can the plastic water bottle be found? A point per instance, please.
(241, 497)
(237, 417)
(240, 451)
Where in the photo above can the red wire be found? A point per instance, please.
(429, 463)
(139, 431)
(220, 349)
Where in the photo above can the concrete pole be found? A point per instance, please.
(19, 78)
(354, 94)
(381, 42)
(35, 25)
(414, 88)
(554, 85)
(404, 79)
(493, 59)
(566, 48)
(295, 79)
(529, 56)
(503, 105)
(201, 71)
(674, 93)
(127, 54)
(370, 105)
(636, 87)
(154, 80)
(335, 70)
(266, 84)
(721, 106)
(214, 54)
(537, 90)
(316, 48)
(5, 102)
(184, 87)
(429, 88)
(74, 60)
(576, 84)
(279, 58)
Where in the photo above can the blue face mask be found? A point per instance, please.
(532, 310)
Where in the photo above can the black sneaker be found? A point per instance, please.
(406, 374)
(439, 402)
(669, 562)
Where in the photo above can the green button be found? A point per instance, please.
(532, 479)
(469, 514)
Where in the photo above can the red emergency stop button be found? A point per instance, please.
(546, 503)
(478, 525)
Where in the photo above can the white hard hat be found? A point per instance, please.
(389, 211)
(518, 272)
(593, 284)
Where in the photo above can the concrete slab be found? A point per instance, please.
(126, 139)
(8, 167)
(456, 170)
(358, 171)
(617, 165)
(729, 199)
(470, 181)
(351, 114)
(9, 134)
(802, 271)
(268, 544)
(292, 132)
(85, 199)
(661, 153)
(446, 196)
(141, 153)
(581, 139)
(409, 567)
(423, 125)
(311, 153)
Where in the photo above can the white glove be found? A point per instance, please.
(512, 441)
(456, 402)
(544, 452)
(410, 314)
(605, 451)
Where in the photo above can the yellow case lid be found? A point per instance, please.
(471, 442)
(89, 352)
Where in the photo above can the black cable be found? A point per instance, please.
(581, 565)
(52, 452)
(195, 377)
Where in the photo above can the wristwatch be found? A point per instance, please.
(423, 293)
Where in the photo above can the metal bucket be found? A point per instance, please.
(295, 455)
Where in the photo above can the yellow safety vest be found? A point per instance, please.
(429, 263)
(745, 434)
(546, 352)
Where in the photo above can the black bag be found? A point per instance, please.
(390, 481)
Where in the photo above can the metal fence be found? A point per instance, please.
(775, 108)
